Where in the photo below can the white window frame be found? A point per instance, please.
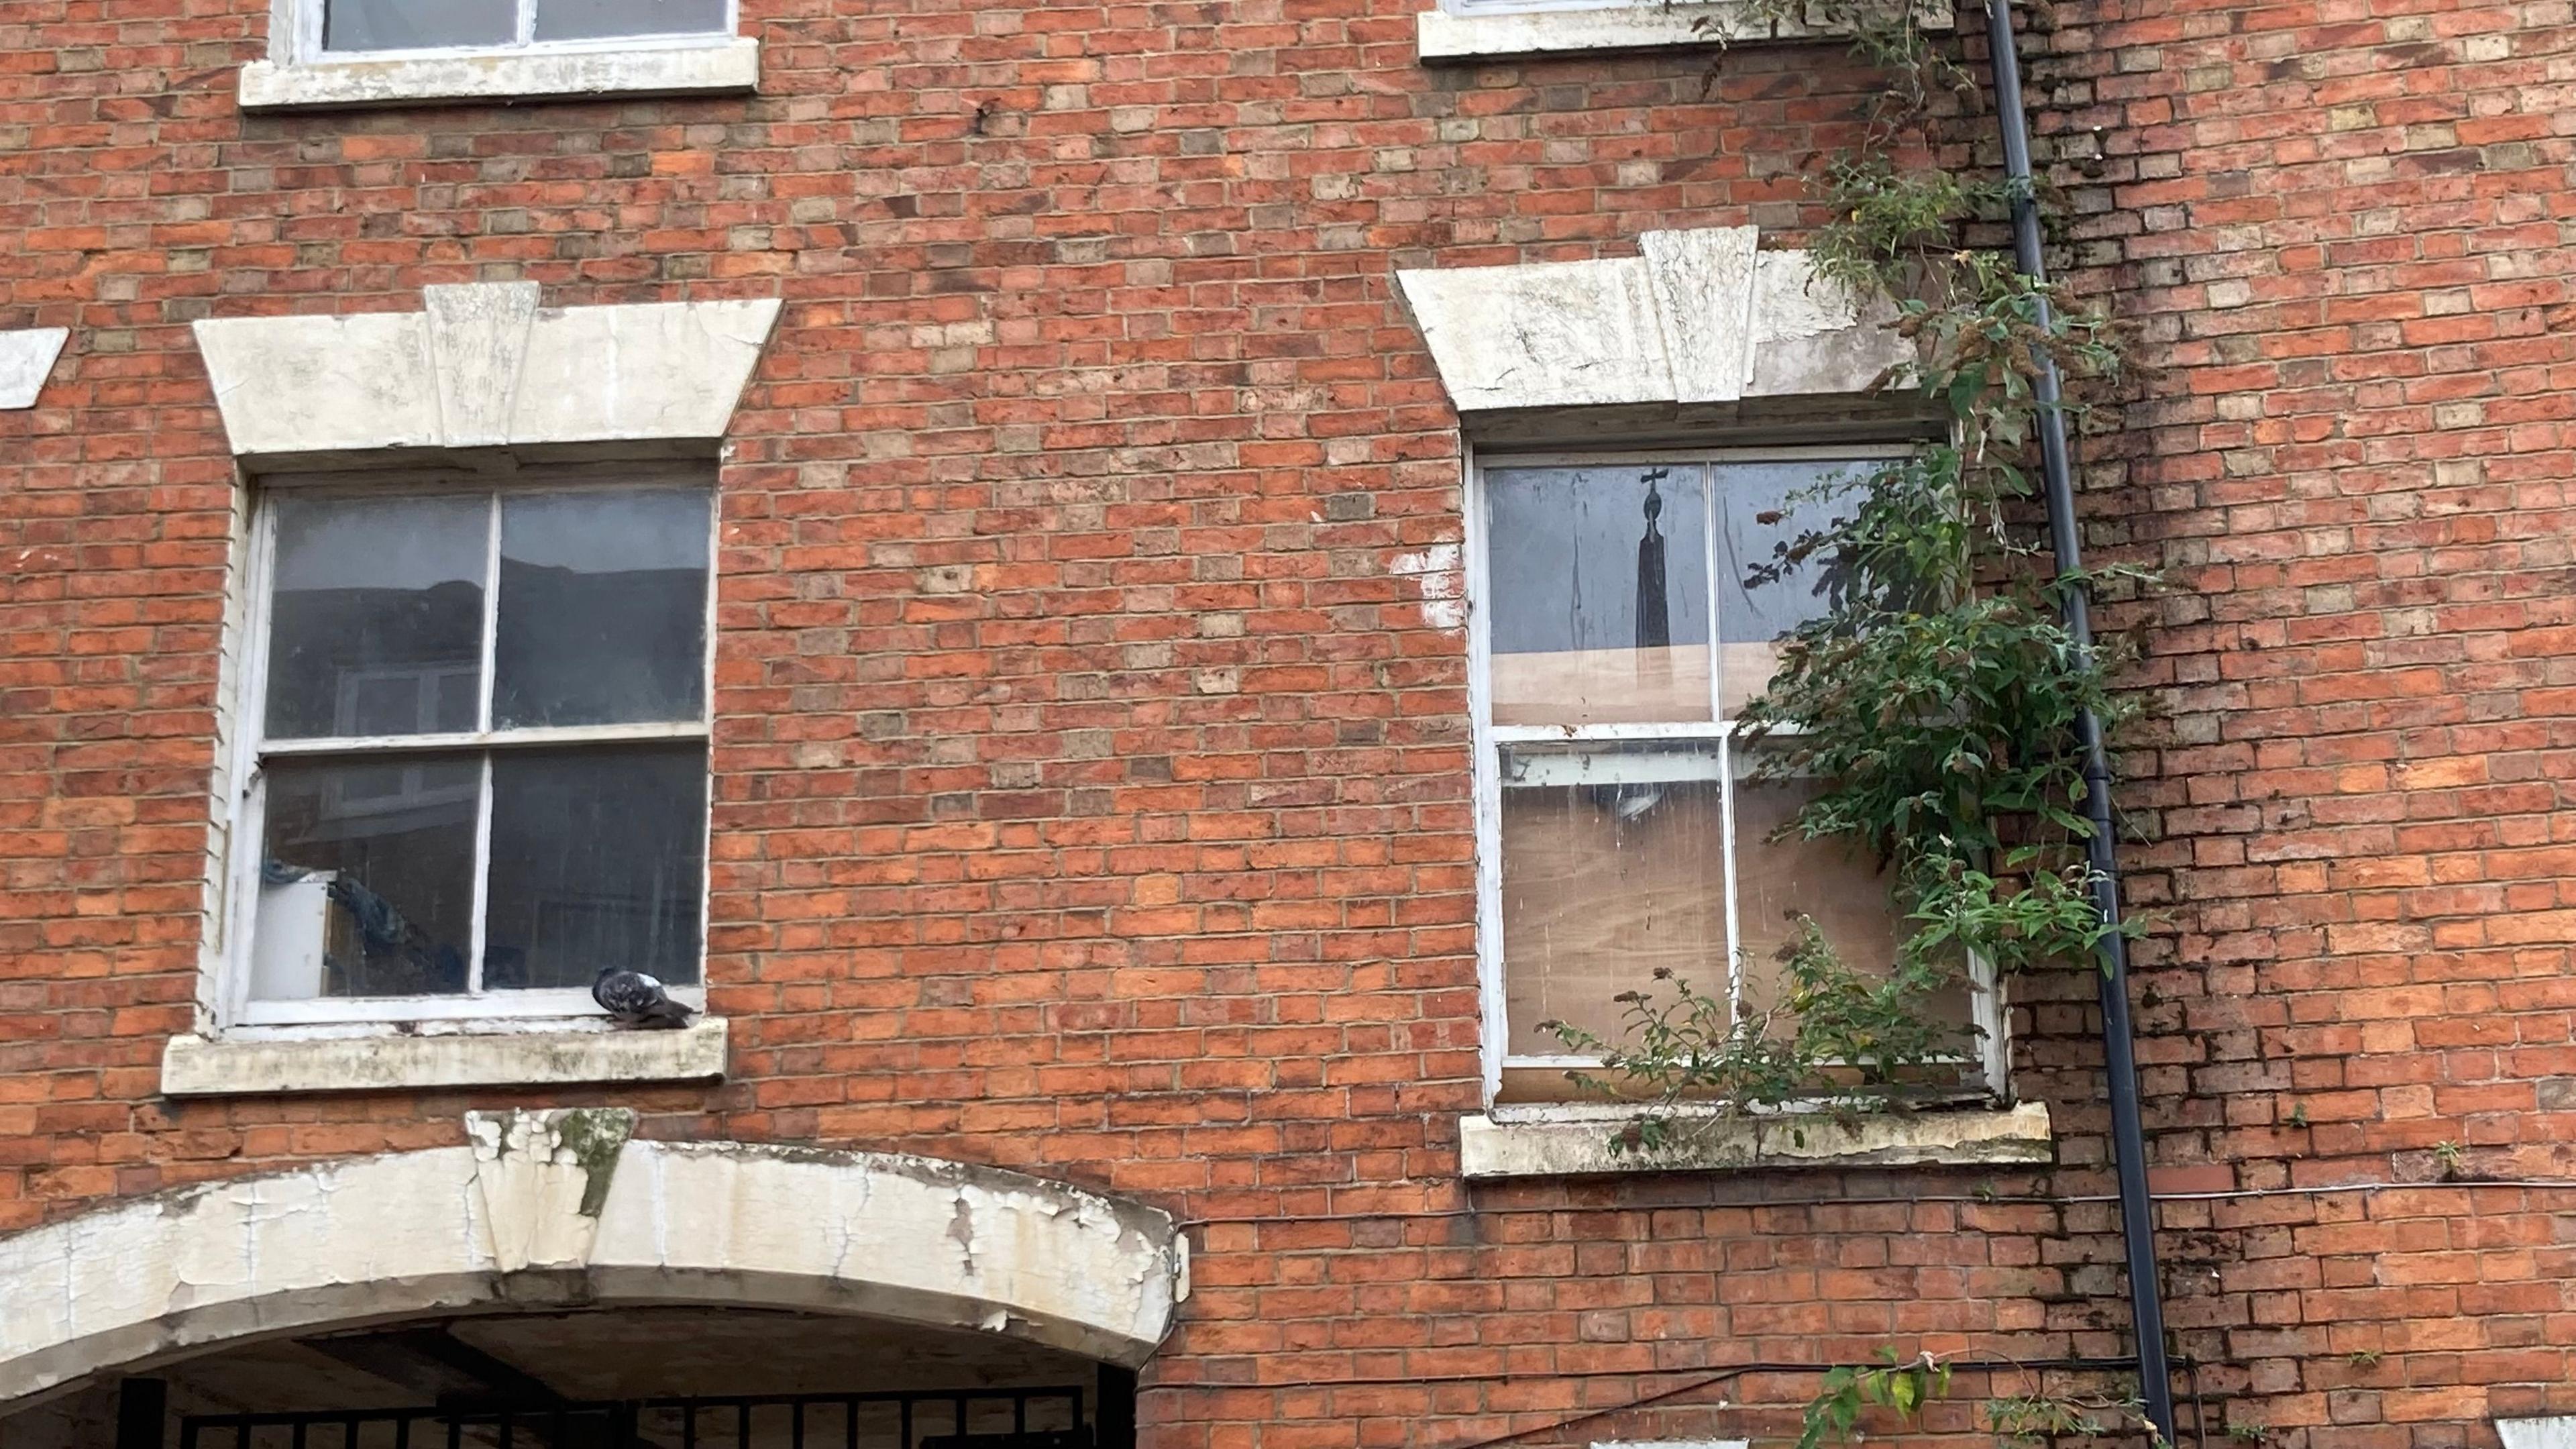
(300, 23)
(1986, 997)
(1526, 7)
(250, 749)
(298, 74)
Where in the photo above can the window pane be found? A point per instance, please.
(411, 24)
(592, 19)
(1614, 863)
(603, 608)
(598, 859)
(1599, 583)
(1835, 882)
(1751, 620)
(375, 620)
(366, 879)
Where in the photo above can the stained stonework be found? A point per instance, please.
(562, 1208)
(482, 365)
(1696, 317)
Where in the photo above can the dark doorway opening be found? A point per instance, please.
(1047, 1418)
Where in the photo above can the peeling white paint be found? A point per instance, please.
(1440, 571)
(417, 1234)
(481, 366)
(239, 1064)
(1574, 1141)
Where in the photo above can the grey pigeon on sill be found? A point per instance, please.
(634, 999)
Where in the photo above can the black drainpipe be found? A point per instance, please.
(2119, 1050)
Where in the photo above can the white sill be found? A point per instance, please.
(716, 65)
(246, 1062)
(1574, 1141)
(1440, 35)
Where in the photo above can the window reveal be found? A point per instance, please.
(466, 795)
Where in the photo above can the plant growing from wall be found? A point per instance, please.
(1937, 700)
(1905, 1387)
(1935, 704)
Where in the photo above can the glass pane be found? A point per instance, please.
(1599, 578)
(594, 19)
(375, 622)
(413, 24)
(1834, 882)
(1751, 620)
(366, 879)
(598, 859)
(603, 614)
(1614, 863)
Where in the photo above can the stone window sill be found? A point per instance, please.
(1442, 36)
(1573, 1141)
(721, 65)
(243, 1063)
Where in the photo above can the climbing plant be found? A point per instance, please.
(1906, 1386)
(1934, 705)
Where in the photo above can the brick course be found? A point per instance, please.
(1091, 743)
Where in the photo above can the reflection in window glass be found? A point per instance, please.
(603, 608)
(600, 19)
(1630, 835)
(1755, 517)
(1599, 585)
(377, 850)
(366, 879)
(597, 860)
(416, 24)
(375, 626)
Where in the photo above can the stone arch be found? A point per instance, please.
(546, 1209)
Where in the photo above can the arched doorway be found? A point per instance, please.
(554, 1263)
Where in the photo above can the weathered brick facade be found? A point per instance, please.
(1091, 756)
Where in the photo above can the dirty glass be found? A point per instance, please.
(418, 24)
(1598, 594)
(375, 623)
(1614, 864)
(603, 608)
(598, 857)
(591, 851)
(1757, 515)
(366, 878)
(602, 19)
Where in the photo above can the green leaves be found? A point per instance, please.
(1834, 1414)
(1836, 1039)
(1940, 698)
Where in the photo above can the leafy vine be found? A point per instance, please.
(1933, 707)
(1906, 1386)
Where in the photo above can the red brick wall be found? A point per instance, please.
(1092, 791)
(2343, 233)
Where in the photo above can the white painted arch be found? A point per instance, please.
(552, 1209)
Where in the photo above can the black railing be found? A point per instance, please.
(974, 1419)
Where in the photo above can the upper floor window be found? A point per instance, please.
(474, 727)
(1469, 30)
(398, 25)
(1624, 828)
(1507, 7)
(344, 53)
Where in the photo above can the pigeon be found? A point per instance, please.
(632, 998)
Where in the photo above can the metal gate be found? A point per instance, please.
(1050, 1418)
